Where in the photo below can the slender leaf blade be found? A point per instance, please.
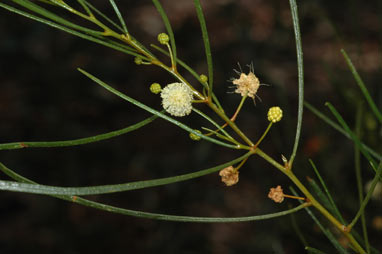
(105, 189)
(300, 68)
(362, 86)
(207, 47)
(153, 111)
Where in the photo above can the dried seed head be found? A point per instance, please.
(229, 175)
(247, 84)
(177, 99)
(275, 114)
(276, 194)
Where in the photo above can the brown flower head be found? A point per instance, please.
(229, 175)
(276, 194)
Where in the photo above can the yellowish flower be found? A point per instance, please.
(177, 99)
(275, 114)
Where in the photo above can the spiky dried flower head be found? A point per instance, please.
(155, 88)
(247, 84)
(229, 175)
(163, 38)
(195, 137)
(177, 99)
(276, 194)
(275, 114)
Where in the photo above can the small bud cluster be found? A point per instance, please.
(163, 38)
(155, 88)
(275, 114)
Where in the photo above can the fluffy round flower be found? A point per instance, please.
(275, 114)
(247, 85)
(177, 99)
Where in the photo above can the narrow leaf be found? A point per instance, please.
(332, 206)
(357, 166)
(114, 45)
(339, 128)
(104, 189)
(167, 24)
(206, 41)
(119, 15)
(80, 141)
(101, 14)
(326, 232)
(300, 68)
(313, 250)
(362, 86)
(368, 196)
(45, 13)
(113, 209)
(154, 112)
(357, 142)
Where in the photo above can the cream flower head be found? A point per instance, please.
(177, 99)
(247, 84)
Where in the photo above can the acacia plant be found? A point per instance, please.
(181, 97)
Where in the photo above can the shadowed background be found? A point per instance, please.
(44, 98)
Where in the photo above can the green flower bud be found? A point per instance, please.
(138, 60)
(203, 78)
(155, 88)
(163, 38)
(194, 136)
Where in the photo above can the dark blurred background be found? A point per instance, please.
(44, 98)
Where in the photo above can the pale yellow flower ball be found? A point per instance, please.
(177, 99)
(275, 114)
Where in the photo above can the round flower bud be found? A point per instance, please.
(275, 114)
(203, 78)
(177, 99)
(163, 38)
(194, 136)
(155, 88)
(138, 60)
